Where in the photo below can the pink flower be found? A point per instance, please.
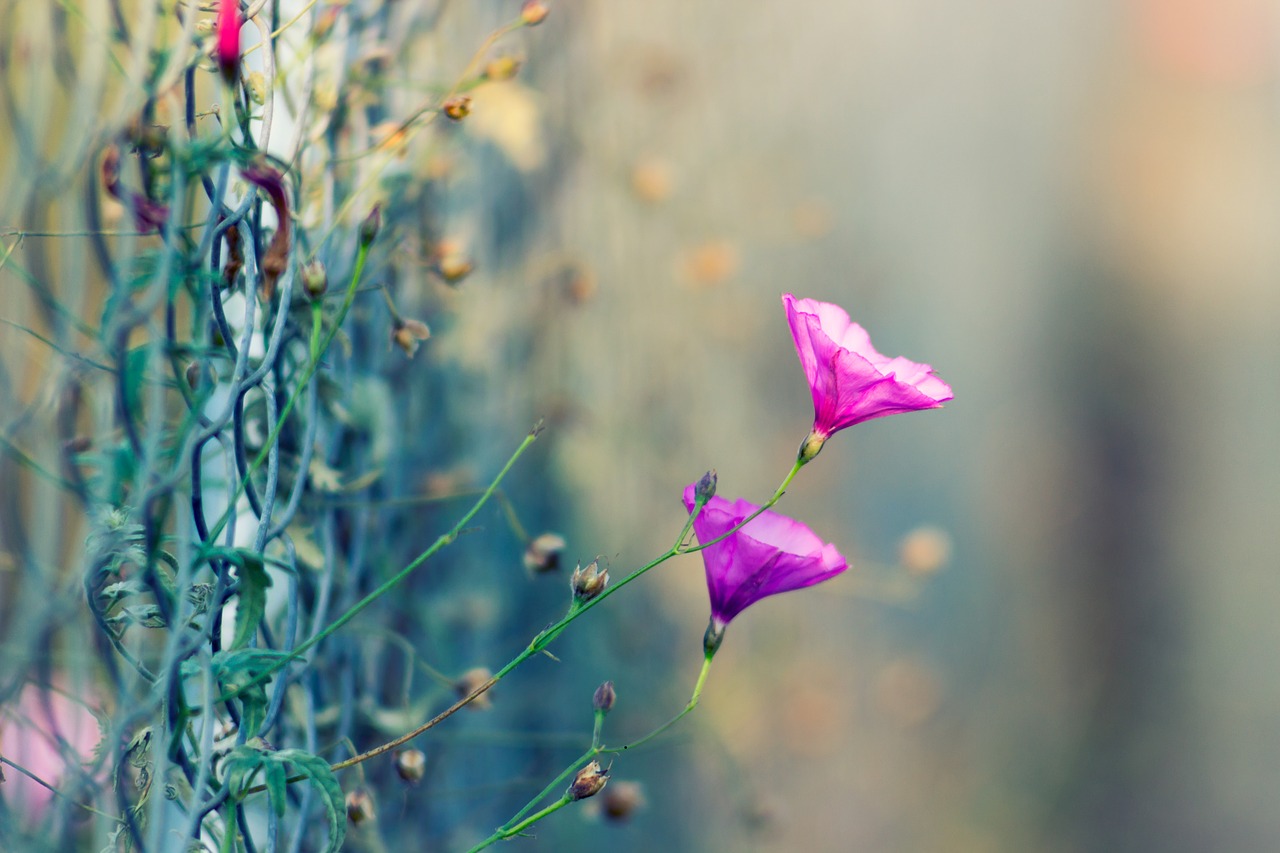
(49, 735)
(769, 555)
(227, 30)
(850, 381)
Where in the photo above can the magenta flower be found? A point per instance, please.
(850, 381)
(227, 32)
(769, 555)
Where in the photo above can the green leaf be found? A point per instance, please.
(254, 581)
(239, 767)
(276, 779)
(235, 670)
(317, 770)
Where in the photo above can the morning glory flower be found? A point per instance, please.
(849, 380)
(769, 555)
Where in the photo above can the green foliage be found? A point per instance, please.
(244, 764)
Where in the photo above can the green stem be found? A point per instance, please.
(552, 785)
(549, 634)
(520, 827)
(777, 496)
(520, 822)
(693, 703)
(313, 364)
(444, 539)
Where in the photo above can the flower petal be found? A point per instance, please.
(769, 555)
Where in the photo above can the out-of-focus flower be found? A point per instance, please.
(457, 108)
(471, 681)
(261, 173)
(227, 48)
(148, 214)
(534, 12)
(411, 765)
(849, 380)
(652, 180)
(542, 554)
(769, 555)
(48, 734)
(710, 264)
(406, 334)
(502, 68)
(621, 800)
(360, 807)
(452, 263)
(924, 550)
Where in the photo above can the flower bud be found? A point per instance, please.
(227, 48)
(370, 226)
(706, 488)
(324, 22)
(542, 554)
(407, 333)
(534, 12)
(469, 683)
(502, 68)
(604, 698)
(457, 108)
(411, 764)
(811, 447)
(589, 582)
(621, 800)
(453, 265)
(588, 781)
(315, 279)
(360, 807)
(256, 85)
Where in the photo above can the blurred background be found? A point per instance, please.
(1056, 631)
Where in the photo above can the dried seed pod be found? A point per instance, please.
(411, 764)
(589, 781)
(542, 554)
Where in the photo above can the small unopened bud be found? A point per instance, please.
(589, 781)
(407, 333)
(542, 554)
(315, 278)
(411, 764)
(453, 265)
(502, 68)
(621, 800)
(360, 807)
(370, 226)
(706, 488)
(811, 447)
(534, 12)
(256, 84)
(589, 582)
(604, 697)
(324, 22)
(469, 683)
(457, 108)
